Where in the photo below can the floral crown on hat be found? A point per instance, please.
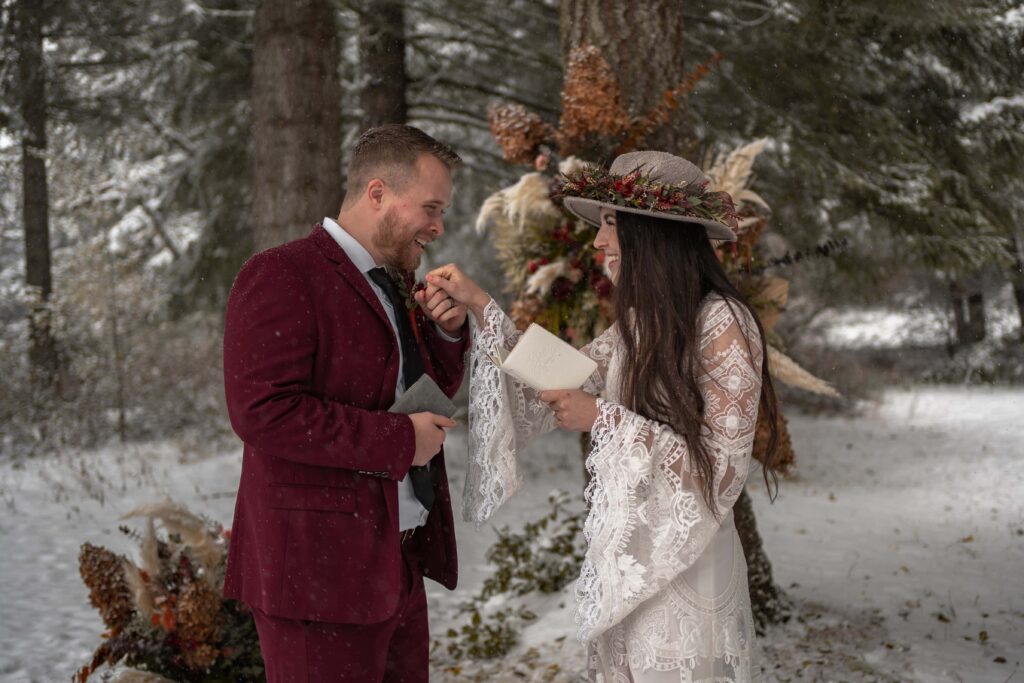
(636, 191)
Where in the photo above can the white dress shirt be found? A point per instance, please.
(411, 512)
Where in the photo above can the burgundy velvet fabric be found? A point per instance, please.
(394, 651)
(310, 366)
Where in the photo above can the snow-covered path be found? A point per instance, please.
(914, 512)
(901, 540)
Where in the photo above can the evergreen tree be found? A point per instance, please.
(894, 124)
(382, 62)
(296, 119)
(29, 18)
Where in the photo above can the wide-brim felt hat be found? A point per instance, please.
(663, 169)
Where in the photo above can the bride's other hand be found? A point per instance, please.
(460, 287)
(575, 410)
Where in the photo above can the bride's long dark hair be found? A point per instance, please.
(666, 270)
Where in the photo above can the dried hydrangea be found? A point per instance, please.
(591, 101)
(198, 612)
(103, 572)
(519, 132)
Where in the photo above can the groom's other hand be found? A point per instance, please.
(430, 435)
(443, 309)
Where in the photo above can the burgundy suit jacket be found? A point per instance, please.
(310, 367)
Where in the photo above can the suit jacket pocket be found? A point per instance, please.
(318, 498)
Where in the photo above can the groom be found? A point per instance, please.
(343, 507)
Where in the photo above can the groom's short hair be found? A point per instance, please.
(390, 152)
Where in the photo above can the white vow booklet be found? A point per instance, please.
(543, 361)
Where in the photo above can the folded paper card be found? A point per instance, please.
(543, 361)
(424, 396)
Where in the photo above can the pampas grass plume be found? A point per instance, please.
(178, 520)
(150, 549)
(140, 591)
(731, 173)
(541, 281)
(786, 370)
(525, 202)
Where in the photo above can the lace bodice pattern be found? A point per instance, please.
(663, 583)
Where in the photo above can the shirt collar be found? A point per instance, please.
(356, 252)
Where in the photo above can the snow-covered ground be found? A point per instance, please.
(900, 541)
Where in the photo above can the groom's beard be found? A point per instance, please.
(395, 243)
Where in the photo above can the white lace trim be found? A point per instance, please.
(505, 414)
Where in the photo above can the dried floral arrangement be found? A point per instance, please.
(594, 115)
(556, 278)
(167, 615)
(554, 275)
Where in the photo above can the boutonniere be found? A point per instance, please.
(408, 287)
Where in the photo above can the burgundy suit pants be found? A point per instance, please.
(393, 651)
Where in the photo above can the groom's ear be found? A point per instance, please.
(375, 192)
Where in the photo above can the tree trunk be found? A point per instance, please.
(768, 602)
(968, 311)
(296, 119)
(644, 43)
(1017, 274)
(382, 60)
(43, 355)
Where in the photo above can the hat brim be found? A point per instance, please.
(589, 210)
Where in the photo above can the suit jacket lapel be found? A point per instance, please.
(348, 271)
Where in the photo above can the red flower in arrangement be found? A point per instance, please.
(561, 288)
(165, 618)
(560, 234)
(603, 287)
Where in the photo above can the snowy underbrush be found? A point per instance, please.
(865, 352)
(991, 361)
(528, 566)
(158, 379)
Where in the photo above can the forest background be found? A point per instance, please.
(148, 147)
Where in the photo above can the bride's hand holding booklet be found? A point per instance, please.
(544, 362)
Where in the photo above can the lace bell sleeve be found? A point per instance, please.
(648, 521)
(504, 414)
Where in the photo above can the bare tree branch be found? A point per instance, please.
(159, 228)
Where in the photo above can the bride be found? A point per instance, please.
(662, 595)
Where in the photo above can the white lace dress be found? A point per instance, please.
(662, 595)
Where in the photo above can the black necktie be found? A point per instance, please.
(412, 369)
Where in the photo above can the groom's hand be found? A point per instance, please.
(444, 310)
(430, 435)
